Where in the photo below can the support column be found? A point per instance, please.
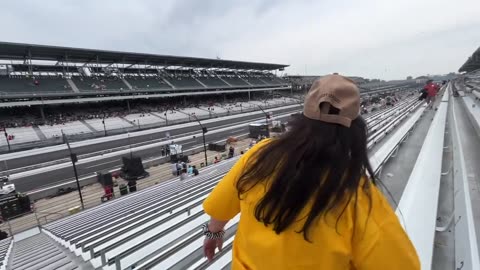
(224, 97)
(185, 100)
(248, 95)
(128, 106)
(42, 113)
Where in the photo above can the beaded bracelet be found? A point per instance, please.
(212, 235)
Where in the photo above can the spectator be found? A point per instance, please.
(216, 160)
(163, 151)
(309, 198)
(3, 235)
(231, 152)
(183, 174)
(179, 168)
(174, 169)
(431, 90)
(190, 170)
(195, 170)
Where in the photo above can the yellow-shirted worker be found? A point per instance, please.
(305, 199)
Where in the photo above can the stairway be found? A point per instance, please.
(42, 252)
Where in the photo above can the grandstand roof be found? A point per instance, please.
(22, 51)
(472, 63)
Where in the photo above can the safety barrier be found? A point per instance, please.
(417, 209)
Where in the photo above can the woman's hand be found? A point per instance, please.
(209, 246)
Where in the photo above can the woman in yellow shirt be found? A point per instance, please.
(308, 199)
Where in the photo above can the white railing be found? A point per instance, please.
(417, 209)
(466, 247)
(476, 93)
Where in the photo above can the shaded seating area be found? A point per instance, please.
(255, 81)
(184, 82)
(272, 80)
(143, 83)
(235, 81)
(33, 85)
(99, 83)
(212, 81)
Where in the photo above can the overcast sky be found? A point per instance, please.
(375, 39)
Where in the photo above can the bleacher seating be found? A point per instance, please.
(147, 83)
(235, 81)
(212, 81)
(5, 246)
(41, 252)
(184, 82)
(99, 83)
(21, 84)
(270, 80)
(255, 81)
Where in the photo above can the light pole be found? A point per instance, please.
(130, 145)
(74, 159)
(6, 138)
(104, 127)
(267, 116)
(204, 130)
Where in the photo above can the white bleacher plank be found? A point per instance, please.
(110, 123)
(223, 261)
(387, 149)
(175, 222)
(143, 118)
(417, 209)
(466, 246)
(22, 135)
(194, 111)
(70, 128)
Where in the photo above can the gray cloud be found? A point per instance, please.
(386, 39)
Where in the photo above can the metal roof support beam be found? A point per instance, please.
(30, 68)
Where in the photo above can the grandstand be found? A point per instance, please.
(30, 71)
(472, 63)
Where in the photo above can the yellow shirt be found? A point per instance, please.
(375, 241)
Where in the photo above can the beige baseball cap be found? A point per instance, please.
(336, 91)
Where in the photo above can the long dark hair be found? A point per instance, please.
(313, 163)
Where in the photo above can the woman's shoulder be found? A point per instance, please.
(374, 203)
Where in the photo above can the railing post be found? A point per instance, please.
(9, 227)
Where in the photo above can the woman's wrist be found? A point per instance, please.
(212, 234)
(214, 227)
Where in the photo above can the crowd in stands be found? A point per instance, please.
(57, 115)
